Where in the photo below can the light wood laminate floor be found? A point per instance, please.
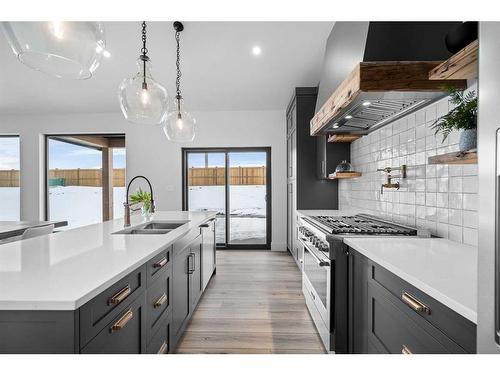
(254, 304)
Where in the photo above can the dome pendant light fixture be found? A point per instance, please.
(143, 100)
(61, 49)
(180, 125)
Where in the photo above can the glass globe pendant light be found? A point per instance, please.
(180, 125)
(62, 49)
(142, 99)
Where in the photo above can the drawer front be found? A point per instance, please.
(125, 334)
(160, 342)
(159, 298)
(392, 330)
(158, 264)
(416, 303)
(98, 312)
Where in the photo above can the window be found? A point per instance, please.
(9, 178)
(85, 178)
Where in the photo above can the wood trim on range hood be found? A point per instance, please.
(400, 87)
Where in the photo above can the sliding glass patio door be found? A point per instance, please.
(235, 182)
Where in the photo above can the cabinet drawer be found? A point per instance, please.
(98, 312)
(125, 334)
(158, 264)
(160, 342)
(392, 330)
(454, 325)
(158, 298)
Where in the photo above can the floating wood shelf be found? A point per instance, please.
(462, 65)
(458, 157)
(343, 138)
(343, 175)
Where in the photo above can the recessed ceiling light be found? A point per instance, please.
(335, 126)
(348, 117)
(367, 103)
(256, 50)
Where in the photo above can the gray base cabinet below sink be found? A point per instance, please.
(144, 312)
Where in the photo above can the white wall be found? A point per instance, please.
(149, 153)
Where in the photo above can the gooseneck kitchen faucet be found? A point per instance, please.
(127, 205)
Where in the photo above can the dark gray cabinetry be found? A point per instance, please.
(208, 255)
(187, 287)
(389, 315)
(305, 190)
(181, 301)
(98, 312)
(195, 286)
(125, 334)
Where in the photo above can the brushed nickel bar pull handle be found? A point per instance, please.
(415, 304)
(120, 296)
(163, 348)
(405, 350)
(160, 301)
(122, 322)
(160, 263)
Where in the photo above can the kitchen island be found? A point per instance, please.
(76, 291)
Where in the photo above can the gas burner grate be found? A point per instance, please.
(360, 225)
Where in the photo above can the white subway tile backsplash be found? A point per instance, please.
(469, 219)
(470, 202)
(455, 184)
(470, 236)
(470, 184)
(441, 198)
(455, 233)
(420, 132)
(455, 216)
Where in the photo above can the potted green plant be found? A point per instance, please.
(463, 118)
(144, 198)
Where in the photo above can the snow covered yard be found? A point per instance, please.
(10, 203)
(247, 210)
(82, 205)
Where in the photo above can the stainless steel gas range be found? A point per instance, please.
(325, 269)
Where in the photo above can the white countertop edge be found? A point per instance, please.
(432, 292)
(63, 305)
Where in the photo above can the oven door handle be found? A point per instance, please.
(321, 262)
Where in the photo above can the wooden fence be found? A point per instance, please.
(237, 176)
(196, 176)
(69, 177)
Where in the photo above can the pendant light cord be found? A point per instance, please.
(144, 52)
(178, 65)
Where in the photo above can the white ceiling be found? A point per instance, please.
(219, 70)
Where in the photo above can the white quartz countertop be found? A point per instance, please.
(443, 269)
(64, 270)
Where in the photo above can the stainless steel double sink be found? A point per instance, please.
(153, 227)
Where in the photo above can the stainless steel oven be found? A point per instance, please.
(317, 280)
